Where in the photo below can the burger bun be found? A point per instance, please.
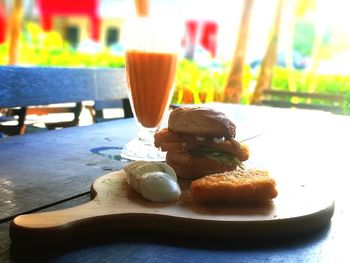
(200, 121)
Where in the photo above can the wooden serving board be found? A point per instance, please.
(115, 206)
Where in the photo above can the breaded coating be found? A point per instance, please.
(170, 141)
(239, 186)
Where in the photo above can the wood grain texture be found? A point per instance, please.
(49, 85)
(116, 206)
(72, 158)
(9, 253)
(143, 247)
(296, 141)
(36, 167)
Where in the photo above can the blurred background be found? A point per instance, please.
(231, 50)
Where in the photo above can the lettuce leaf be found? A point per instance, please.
(217, 155)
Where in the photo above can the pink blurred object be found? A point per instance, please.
(201, 32)
(50, 8)
(2, 24)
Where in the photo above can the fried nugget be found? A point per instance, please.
(239, 186)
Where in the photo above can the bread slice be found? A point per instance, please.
(239, 186)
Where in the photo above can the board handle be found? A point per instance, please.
(46, 226)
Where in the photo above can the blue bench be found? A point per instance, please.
(21, 88)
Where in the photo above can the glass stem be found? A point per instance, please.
(146, 135)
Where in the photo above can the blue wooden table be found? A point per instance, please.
(55, 169)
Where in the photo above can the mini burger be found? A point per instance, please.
(200, 141)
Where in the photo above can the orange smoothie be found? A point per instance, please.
(150, 77)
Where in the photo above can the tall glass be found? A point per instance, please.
(152, 47)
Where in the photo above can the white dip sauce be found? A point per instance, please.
(157, 182)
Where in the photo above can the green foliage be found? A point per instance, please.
(3, 54)
(336, 84)
(303, 7)
(194, 83)
(41, 48)
(199, 84)
(304, 37)
(332, 84)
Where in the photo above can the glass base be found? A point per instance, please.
(138, 149)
